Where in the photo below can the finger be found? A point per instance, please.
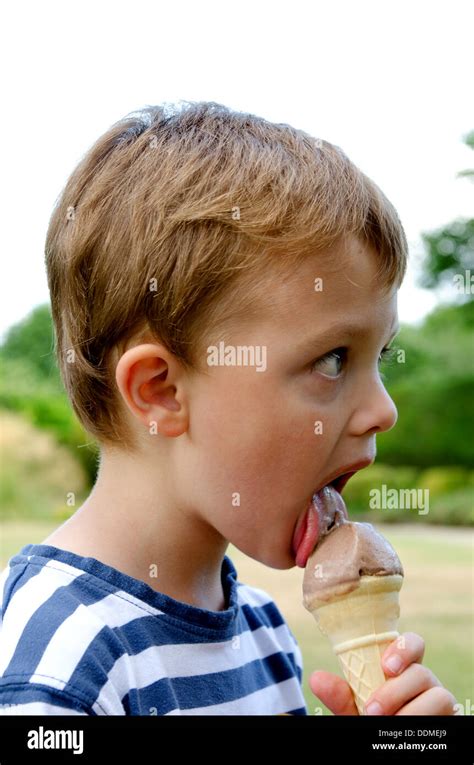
(334, 692)
(405, 650)
(397, 691)
(435, 701)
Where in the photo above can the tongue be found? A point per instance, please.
(326, 511)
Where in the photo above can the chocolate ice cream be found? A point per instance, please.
(346, 553)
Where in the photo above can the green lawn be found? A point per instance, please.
(436, 599)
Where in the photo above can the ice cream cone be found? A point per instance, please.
(360, 625)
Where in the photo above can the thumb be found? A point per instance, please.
(334, 692)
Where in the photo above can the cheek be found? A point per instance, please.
(255, 461)
(257, 446)
(238, 438)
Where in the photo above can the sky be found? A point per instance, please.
(388, 82)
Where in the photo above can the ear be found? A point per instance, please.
(150, 381)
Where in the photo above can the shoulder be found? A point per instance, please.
(56, 632)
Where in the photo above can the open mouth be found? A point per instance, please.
(341, 481)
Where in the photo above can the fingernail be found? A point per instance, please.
(374, 708)
(394, 664)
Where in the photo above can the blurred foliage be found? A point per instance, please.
(442, 481)
(450, 495)
(432, 390)
(30, 384)
(450, 251)
(41, 479)
(32, 340)
(469, 141)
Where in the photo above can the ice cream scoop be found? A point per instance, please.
(342, 557)
(351, 586)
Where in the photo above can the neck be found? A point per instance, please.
(137, 528)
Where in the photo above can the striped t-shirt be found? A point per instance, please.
(80, 637)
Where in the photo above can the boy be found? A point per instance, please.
(219, 285)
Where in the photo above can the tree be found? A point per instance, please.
(450, 250)
(32, 339)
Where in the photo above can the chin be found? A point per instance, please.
(280, 561)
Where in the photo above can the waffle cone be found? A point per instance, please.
(360, 626)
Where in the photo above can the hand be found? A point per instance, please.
(410, 689)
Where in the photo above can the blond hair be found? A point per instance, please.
(171, 220)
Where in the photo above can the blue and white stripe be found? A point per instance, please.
(80, 637)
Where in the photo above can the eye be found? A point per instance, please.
(331, 363)
(387, 357)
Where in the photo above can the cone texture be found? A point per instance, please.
(360, 626)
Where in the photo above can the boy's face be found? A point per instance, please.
(260, 443)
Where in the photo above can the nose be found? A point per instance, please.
(376, 411)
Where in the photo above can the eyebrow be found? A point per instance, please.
(334, 331)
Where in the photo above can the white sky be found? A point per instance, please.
(387, 81)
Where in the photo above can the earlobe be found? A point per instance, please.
(170, 427)
(166, 415)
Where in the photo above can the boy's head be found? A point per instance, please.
(200, 261)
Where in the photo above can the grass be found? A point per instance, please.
(436, 600)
